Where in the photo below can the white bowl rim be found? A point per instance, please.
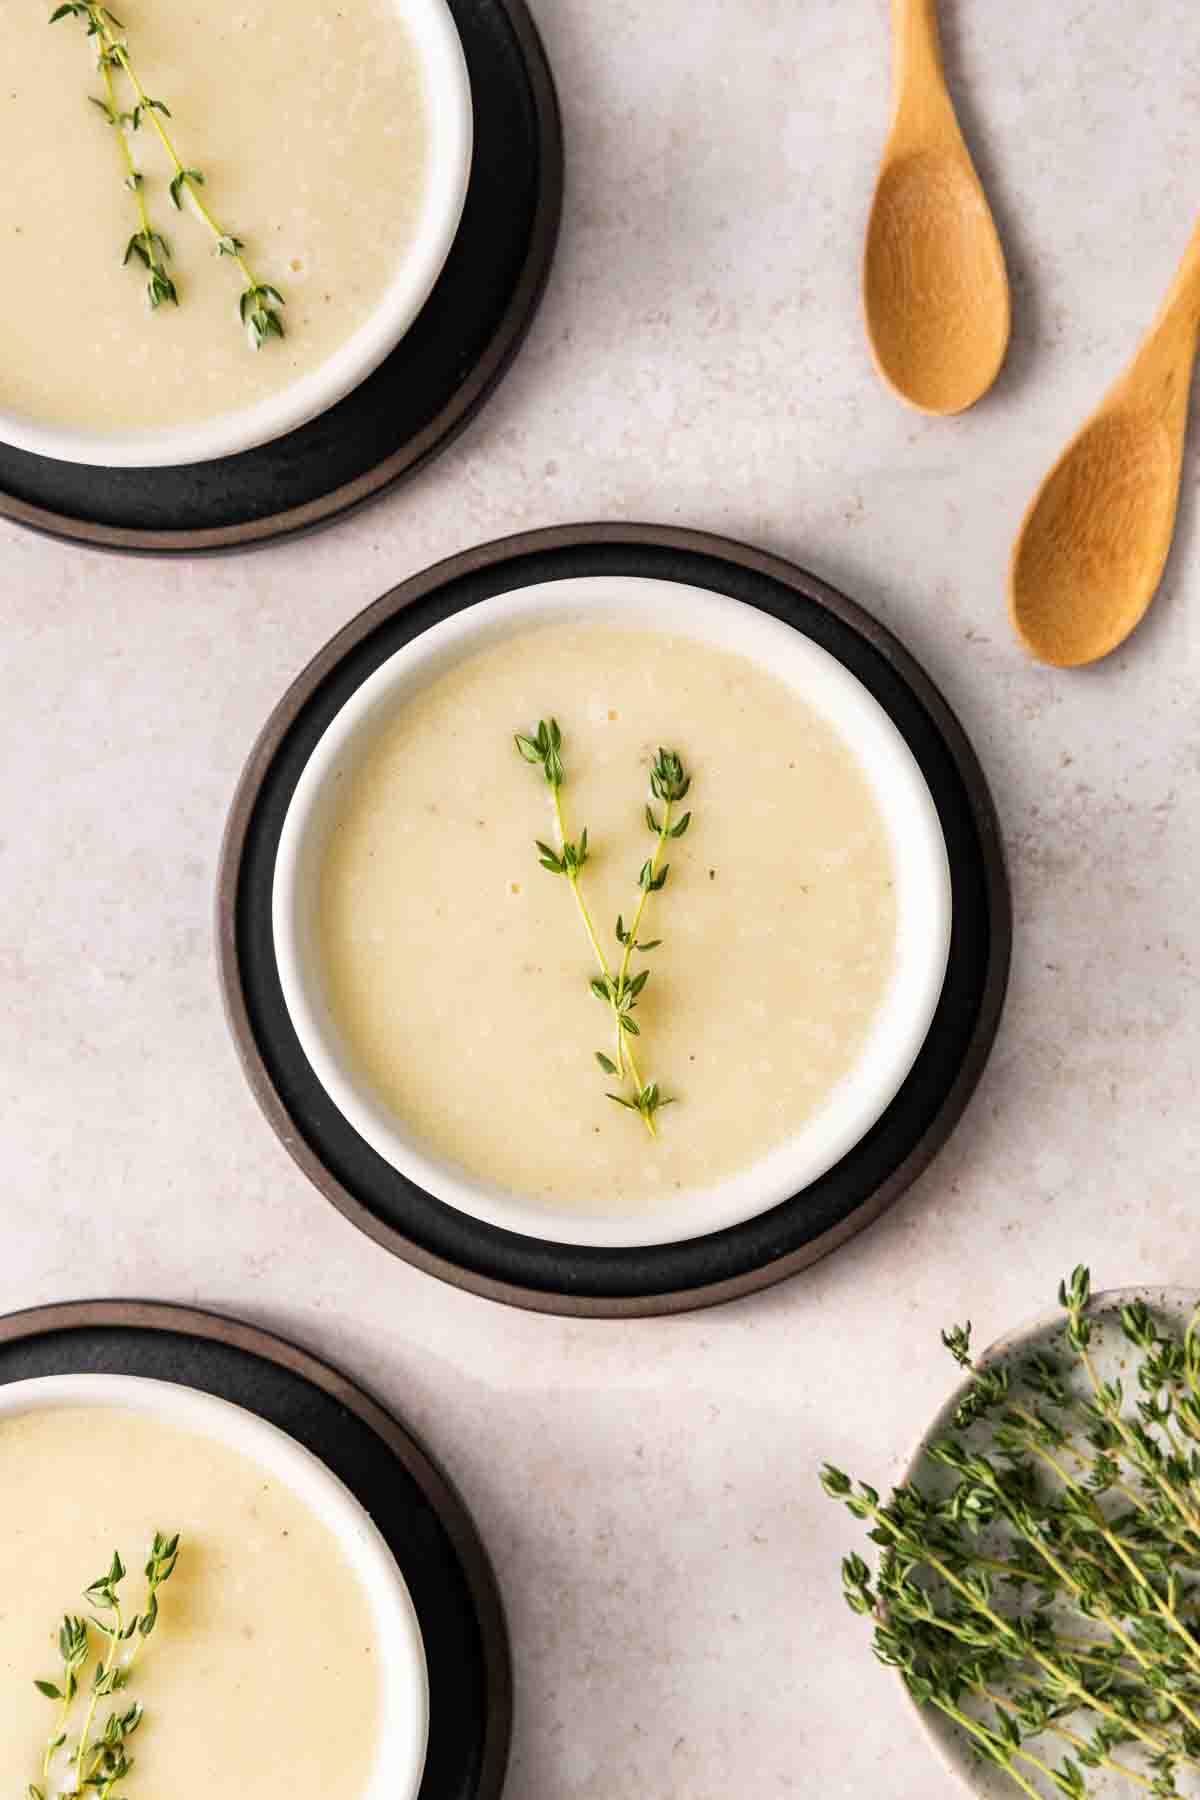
(1011, 1344)
(404, 1717)
(449, 120)
(922, 881)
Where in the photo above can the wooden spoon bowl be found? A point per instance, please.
(1087, 564)
(1093, 546)
(934, 284)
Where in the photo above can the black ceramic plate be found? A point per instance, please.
(554, 1277)
(415, 403)
(423, 1520)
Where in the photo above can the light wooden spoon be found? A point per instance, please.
(1092, 548)
(935, 286)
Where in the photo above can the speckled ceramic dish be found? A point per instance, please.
(1111, 1353)
(608, 1278)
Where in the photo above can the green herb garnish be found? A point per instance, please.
(258, 301)
(668, 784)
(99, 1760)
(617, 989)
(1049, 1589)
(147, 244)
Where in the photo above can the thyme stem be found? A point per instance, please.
(647, 890)
(99, 1686)
(148, 243)
(573, 877)
(998, 1753)
(1070, 1737)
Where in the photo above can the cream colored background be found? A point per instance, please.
(647, 1490)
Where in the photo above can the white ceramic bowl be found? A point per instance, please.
(404, 1723)
(449, 118)
(922, 891)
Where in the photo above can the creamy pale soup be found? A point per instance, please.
(308, 125)
(457, 969)
(261, 1676)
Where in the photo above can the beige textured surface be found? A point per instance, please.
(647, 1490)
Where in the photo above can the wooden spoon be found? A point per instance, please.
(1093, 545)
(934, 282)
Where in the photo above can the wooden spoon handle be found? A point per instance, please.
(1159, 374)
(1183, 295)
(918, 80)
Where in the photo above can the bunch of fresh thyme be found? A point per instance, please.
(1046, 1598)
(257, 303)
(98, 1760)
(619, 989)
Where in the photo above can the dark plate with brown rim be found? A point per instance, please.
(577, 1279)
(426, 1525)
(419, 399)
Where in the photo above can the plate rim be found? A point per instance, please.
(572, 538)
(443, 1498)
(466, 400)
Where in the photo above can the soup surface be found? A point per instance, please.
(311, 138)
(457, 968)
(264, 1630)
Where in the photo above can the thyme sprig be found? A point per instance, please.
(259, 299)
(99, 1760)
(1049, 1592)
(617, 989)
(148, 245)
(669, 784)
(73, 1652)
